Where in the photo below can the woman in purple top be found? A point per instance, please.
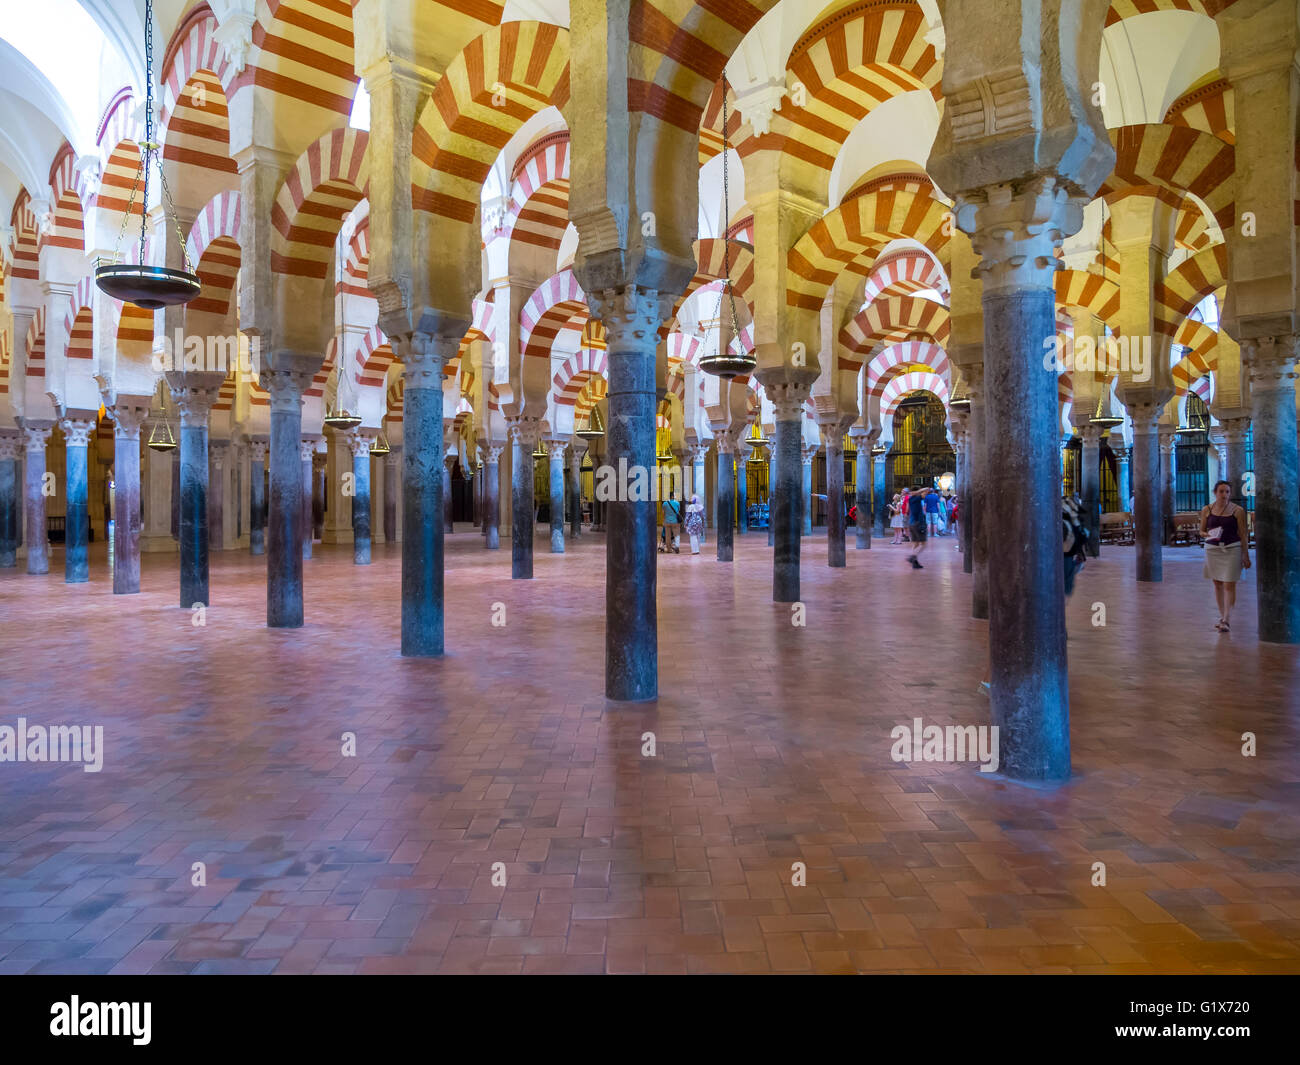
(1227, 549)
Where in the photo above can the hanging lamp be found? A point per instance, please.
(960, 401)
(380, 446)
(148, 287)
(726, 363)
(595, 426)
(1101, 417)
(161, 438)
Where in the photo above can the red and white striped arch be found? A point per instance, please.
(193, 48)
(302, 51)
(36, 344)
(891, 319)
(25, 242)
(373, 358)
(558, 303)
(904, 384)
(219, 218)
(68, 198)
(328, 180)
(683, 348)
(78, 323)
(539, 195)
(356, 268)
(893, 359)
(119, 140)
(570, 378)
(905, 271)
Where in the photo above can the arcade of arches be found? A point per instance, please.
(1017, 248)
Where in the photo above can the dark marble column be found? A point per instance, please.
(289, 499)
(878, 511)
(306, 485)
(1123, 482)
(492, 496)
(699, 453)
(76, 435)
(257, 497)
(359, 446)
(449, 460)
(742, 486)
(176, 493)
(1234, 436)
(576, 451)
(36, 436)
(524, 434)
(771, 490)
(10, 448)
(127, 419)
(1272, 362)
(1029, 695)
(194, 402)
(979, 428)
(1147, 510)
(957, 421)
(319, 462)
(862, 475)
(632, 317)
(1090, 476)
(217, 452)
(807, 454)
(392, 489)
(423, 520)
(555, 456)
(788, 500)
(724, 519)
(836, 557)
(1168, 461)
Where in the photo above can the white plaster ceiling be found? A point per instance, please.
(552, 11)
(1149, 61)
(903, 128)
(712, 219)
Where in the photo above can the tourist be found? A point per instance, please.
(954, 517)
(1075, 539)
(1227, 549)
(931, 503)
(916, 524)
(907, 498)
(695, 523)
(672, 524)
(896, 518)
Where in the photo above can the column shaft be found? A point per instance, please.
(38, 538)
(126, 510)
(492, 500)
(1277, 472)
(257, 500)
(724, 519)
(361, 504)
(835, 546)
(1090, 475)
(423, 520)
(1147, 521)
(284, 532)
(522, 441)
(556, 470)
(862, 475)
(76, 562)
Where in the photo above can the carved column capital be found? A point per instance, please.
(491, 453)
(1271, 361)
(423, 357)
(1234, 430)
(555, 449)
(698, 453)
(127, 419)
(286, 388)
(11, 447)
(217, 453)
(307, 450)
(1145, 417)
(257, 450)
(524, 431)
(77, 431)
(36, 436)
(1016, 228)
(1091, 435)
(788, 397)
(630, 313)
(359, 442)
(725, 441)
(809, 452)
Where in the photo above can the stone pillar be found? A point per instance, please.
(808, 454)
(448, 465)
(11, 447)
(194, 401)
(576, 451)
(555, 454)
(524, 433)
(632, 317)
(288, 502)
(698, 453)
(392, 489)
(979, 428)
(176, 491)
(1234, 435)
(217, 450)
(771, 491)
(1147, 508)
(1015, 230)
(37, 435)
(1168, 459)
(319, 464)
(307, 485)
(492, 496)
(76, 563)
(863, 473)
(1090, 478)
(878, 494)
(743, 451)
(835, 547)
(1272, 362)
(1123, 483)
(257, 497)
(789, 497)
(725, 443)
(359, 445)
(422, 511)
(127, 419)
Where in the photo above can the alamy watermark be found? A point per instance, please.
(1130, 356)
(212, 353)
(946, 743)
(57, 743)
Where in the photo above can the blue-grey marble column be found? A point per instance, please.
(10, 448)
(836, 552)
(724, 518)
(771, 490)
(449, 460)
(284, 530)
(257, 497)
(359, 446)
(77, 433)
(423, 520)
(862, 475)
(127, 419)
(1123, 483)
(632, 317)
(1277, 472)
(788, 496)
(36, 436)
(194, 401)
(807, 454)
(1029, 695)
(555, 456)
(1234, 436)
(880, 514)
(392, 488)
(176, 492)
(699, 453)
(977, 425)
(742, 486)
(217, 452)
(1148, 520)
(576, 451)
(492, 496)
(1090, 478)
(961, 436)
(307, 485)
(1168, 465)
(524, 434)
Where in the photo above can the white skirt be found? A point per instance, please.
(896, 522)
(1223, 562)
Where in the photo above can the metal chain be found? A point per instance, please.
(148, 118)
(728, 290)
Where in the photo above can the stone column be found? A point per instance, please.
(878, 494)
(771, 490)
(1234, 435)
(863, 473)
(555, 454)
(77, 433)
(1147, 508)
(1123, 483)
(257, 497)
(176, 491)
(194, 401)
(576, 451)
(725, 442)
(217, 450)
(288, 502)
(127, 419)
(1090, 478)
(392, 489)
(835, 547)
(1272, 362)
(977, 425)
(359, 445)
(11, 447)
(492, 496)
(632, 317)
(789, 498)
(307, 485)
(37, 435)
(1168, 460)
(698, 453)
(524, 434)
(448, 465)
(422, 511)
(742, 485)
(808, 454)
(1015, 230)
(319, 464)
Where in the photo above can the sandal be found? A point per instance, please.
(1223, 627)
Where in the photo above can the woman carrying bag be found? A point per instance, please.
(695, 523)
(1227, 549)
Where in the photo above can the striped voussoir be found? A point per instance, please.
(304, 51)
(1203, 358)
(1170, 161)
(356, 263)
(26, 239)
(373, 358)
(901, 358)
(1186, 285)
(78, 323)
(1209, 108)
(1083, 289)
(572, 376)
(558, 304)
(890, 320)
(327, 181)
(538, 213)
(120, 134)
(904, 384)
(68, 195)
(36, 344)
(904, 272)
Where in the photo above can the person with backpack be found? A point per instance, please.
(695, 523)
(672, 524)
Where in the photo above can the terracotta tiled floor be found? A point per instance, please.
(223, 746)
